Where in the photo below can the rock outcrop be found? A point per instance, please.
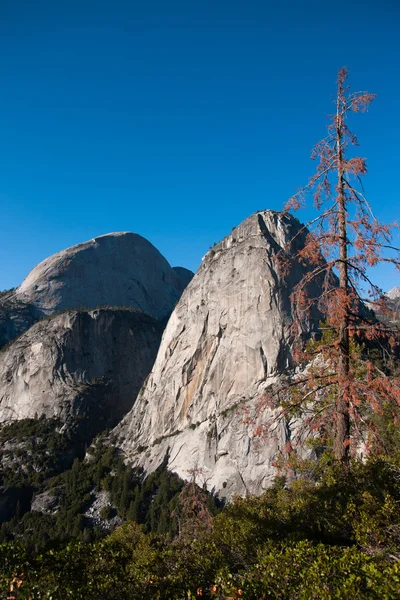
(394, 293)
(228, 339)
(184, 276)
(117, 269)
(48, 502)
(88, 365)
(15, 317)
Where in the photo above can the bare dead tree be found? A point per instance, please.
(342, 242)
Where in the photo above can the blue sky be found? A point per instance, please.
(177, 119)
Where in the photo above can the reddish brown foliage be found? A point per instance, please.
(343, 241)
(192, 512)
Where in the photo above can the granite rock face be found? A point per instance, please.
(117, 270)
(47, 502)
(15, 317)
(228, 339)
(394, 293)
(184, 275)
(79, 364)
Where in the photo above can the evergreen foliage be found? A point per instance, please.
(335, 537)
(148, 501)
(31, 450)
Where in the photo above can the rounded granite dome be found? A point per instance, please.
(117, 269)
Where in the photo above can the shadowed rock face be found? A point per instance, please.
(185, 276)
(15, 318)
(228, 339)
(88, 364)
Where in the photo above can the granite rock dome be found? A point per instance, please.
(228, 339)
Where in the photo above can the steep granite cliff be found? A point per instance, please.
(15, 317)
(88, 365)
(228, 339)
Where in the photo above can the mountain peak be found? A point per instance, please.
(228, 339)
(394, 293)
(115, 269)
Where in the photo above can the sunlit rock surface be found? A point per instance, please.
(117, 269)
(228, 339)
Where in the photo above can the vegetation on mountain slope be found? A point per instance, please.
(337, 536)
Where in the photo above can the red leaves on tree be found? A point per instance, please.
(341, 387)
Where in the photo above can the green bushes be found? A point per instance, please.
(303, 571)
(6, 292)
(332, 533)
(132, 565)
(107, 512)
(32, 450)
(331, 539)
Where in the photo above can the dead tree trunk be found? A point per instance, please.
(342, 416)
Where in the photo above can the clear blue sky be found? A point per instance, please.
(176, 119)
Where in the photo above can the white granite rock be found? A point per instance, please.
(394, 293)
(228, 339)
(117, 269)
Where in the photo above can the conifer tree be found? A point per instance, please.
(342, 242)
(192, 511)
